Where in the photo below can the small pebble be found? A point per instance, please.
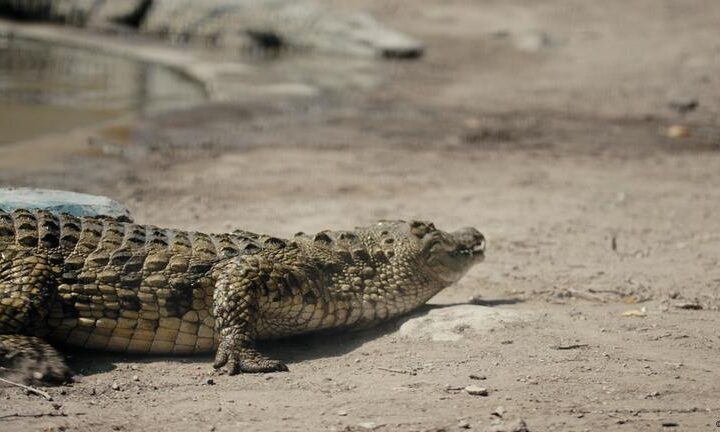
(115, 386)
(478, 377)
(498, 412)
(677, 131)
(463, 424)
(135, 378)
(342, 413)
(518, 426)
(670, 424)
(210, 381)
(476, 390)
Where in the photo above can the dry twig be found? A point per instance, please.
(27, 388)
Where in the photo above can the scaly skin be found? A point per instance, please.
(98, 283)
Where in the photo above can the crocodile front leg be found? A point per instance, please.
(235, 307)
(26, 291)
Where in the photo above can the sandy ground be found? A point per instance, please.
(545, 125)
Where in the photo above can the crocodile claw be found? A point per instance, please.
(246, 360)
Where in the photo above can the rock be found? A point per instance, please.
(135, 378)
(476, 390)
(637, 313)
(452, 323)
(115, 386)
(463, 424)
(533, 41)
(677, 131)
(210, 381)
(368, 425)
(515, 426)
(56, 201)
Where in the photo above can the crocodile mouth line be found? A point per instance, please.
(477, 250)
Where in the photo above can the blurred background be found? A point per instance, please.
(582, 137)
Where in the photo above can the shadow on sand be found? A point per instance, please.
(290, 350)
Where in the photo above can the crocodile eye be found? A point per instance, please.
(431, 241)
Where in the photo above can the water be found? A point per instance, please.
(51, 88)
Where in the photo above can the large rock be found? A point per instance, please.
(56, 201)
(452, 323)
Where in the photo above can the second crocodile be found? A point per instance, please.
(245, 25)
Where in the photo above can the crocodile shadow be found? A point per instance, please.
(323, 344)
(336, 343)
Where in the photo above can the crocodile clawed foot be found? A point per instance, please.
(246, 360)
(31, 360)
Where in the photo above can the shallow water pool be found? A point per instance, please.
(51, 88)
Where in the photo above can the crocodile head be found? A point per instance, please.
(444, 256)
(329, 30)
(449, 255)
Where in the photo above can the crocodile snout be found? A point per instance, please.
(471, 239)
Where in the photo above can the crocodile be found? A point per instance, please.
(103, 284)
(246, 25)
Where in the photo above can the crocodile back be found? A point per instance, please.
(101, 241)
(116, 282)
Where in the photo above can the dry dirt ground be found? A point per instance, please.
(545, 125)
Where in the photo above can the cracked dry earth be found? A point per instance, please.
(598, 305)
